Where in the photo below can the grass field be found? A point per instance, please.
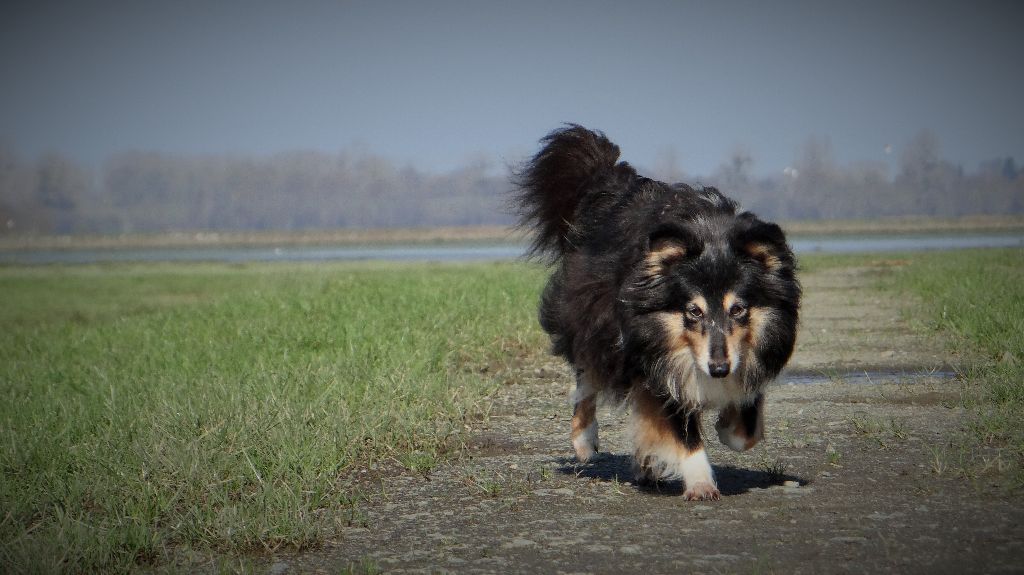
(150, 410)
(978, 298)
(222, 408)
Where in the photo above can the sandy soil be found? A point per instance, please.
(853, 477)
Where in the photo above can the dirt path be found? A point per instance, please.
(851, 478)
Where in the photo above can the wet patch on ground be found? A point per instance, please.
(850, 478)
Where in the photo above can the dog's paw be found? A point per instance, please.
(586, 447)
(702, 491)
(645, 478)
(649, 470)
(734, 440)
(586, 453)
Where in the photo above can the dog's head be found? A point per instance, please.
(715, 293)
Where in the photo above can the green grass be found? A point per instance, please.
(151, 409)
(154, 412)
(977, 297)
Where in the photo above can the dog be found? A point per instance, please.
(661, 296)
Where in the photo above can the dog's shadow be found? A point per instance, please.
(731, 480)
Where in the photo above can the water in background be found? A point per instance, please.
(467, 252)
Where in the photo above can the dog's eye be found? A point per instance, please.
(738, 311)
(694, 311)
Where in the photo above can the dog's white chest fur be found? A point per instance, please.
(714, 393)
(688, 384)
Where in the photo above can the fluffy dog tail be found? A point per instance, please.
(552, 184)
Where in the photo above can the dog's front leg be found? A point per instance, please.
(669, 445)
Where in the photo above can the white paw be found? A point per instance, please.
(702, 491)
(585, 448)
(734, 441)
(585, 442)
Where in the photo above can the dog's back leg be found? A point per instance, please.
(584, 417)
(741, 427)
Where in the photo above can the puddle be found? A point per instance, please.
(867, 377)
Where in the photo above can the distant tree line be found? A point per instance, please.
(817, 188)
(156, 192)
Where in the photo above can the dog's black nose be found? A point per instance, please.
(718, 368)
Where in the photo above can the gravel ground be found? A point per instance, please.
(855, 475)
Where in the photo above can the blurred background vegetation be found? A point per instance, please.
(152, 192)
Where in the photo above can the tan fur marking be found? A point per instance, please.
(653, 437)
(700, 344)
(584, 431)
(759, 319)
(583, 416)
(673, 324)
(765, 255)
(728, 300)
(736, 343)
(701, 303)
(665, 251)
(652, 428)
(680, 339)
(730, 428)
(660, 453)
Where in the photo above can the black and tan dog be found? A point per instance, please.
(663, 296)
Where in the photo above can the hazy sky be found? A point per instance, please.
(437, 83)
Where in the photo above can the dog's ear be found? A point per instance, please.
(666, 250)
(763, 242)
(667, 246)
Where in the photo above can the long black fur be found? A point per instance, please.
(597, 220)
(559, 183)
